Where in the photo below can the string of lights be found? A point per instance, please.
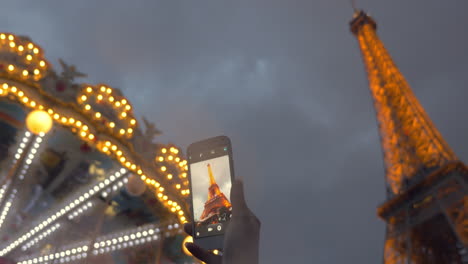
(40, 237)
(7, 206)
(107, 243)
(65, 209)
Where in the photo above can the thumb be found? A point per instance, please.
(239, 206)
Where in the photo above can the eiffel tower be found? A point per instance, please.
(216, 202)
(426, 210)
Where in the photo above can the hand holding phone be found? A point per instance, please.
(241, 240)
(219, 222)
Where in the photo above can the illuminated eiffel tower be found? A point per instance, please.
(427, 186)
(216, 201)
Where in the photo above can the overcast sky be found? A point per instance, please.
(284, 80)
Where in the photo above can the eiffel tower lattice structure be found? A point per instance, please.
(427, 185)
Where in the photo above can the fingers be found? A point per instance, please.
(239, 206)
(203, 254)
(188, 228)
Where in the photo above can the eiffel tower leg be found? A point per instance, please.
(397, 240)
(453, 201)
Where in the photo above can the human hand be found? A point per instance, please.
(241, 240)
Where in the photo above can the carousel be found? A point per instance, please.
(81, 180)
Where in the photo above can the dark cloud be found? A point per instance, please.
(285, 80)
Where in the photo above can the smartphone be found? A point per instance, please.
(211, 173)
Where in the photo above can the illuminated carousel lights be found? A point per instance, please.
(3, 190)
(106, 147)
(64, 210)
(63, 256)
(118, 185)
(30, 55)
(169, 156)
(118, 103)
(24, 141)
(7, 206)
(32, 153)
(40, 237)
(80, 210)
(130, 239)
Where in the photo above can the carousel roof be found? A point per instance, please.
(96, 183)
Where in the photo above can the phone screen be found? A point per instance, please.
(210, 174)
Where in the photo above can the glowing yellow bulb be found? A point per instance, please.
(111, 99)
(140, 172)
(64, 120)
(85, 128)
(103, 88)
(14, 89)
(11, 67)
(12, 44)
(122, 159)
(78, 123)
(122, 131)
(160, 195)
(108, 143)
(124, 114)
(109, 90)
(71, 120)
(130, 131)
(170, 158)
(112, 124)
(164, 150)
(36, 71)
(36, 50)
(177, 186)
(169, 176)
(165, 197)
(87, 107)
(89, 89)
(42, 63)
(119, 153)
(28, 57)
(91, 136)
(117, 104)
(10, 37)
(128, 164)
(216, 252)
(83, 134)
(173, 209)
(124, 101)
(30, 46)
(183, 192)
(163, 168)
(33, 104)
(133, 167)
(105, 149)
(84, 98)
(56, 116)
(20, 93)
(99, 97)
(161, 158)
(161, 189)
(148, 181)
(25, 72)
(128, 107)
(177, 159)
(25, 100)
(98, 115)
(184, 175)
(133, 121)
(114, 147)
(20, 48)
(182, 219)
(39, 122)
(2, 36)
(181, 212)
